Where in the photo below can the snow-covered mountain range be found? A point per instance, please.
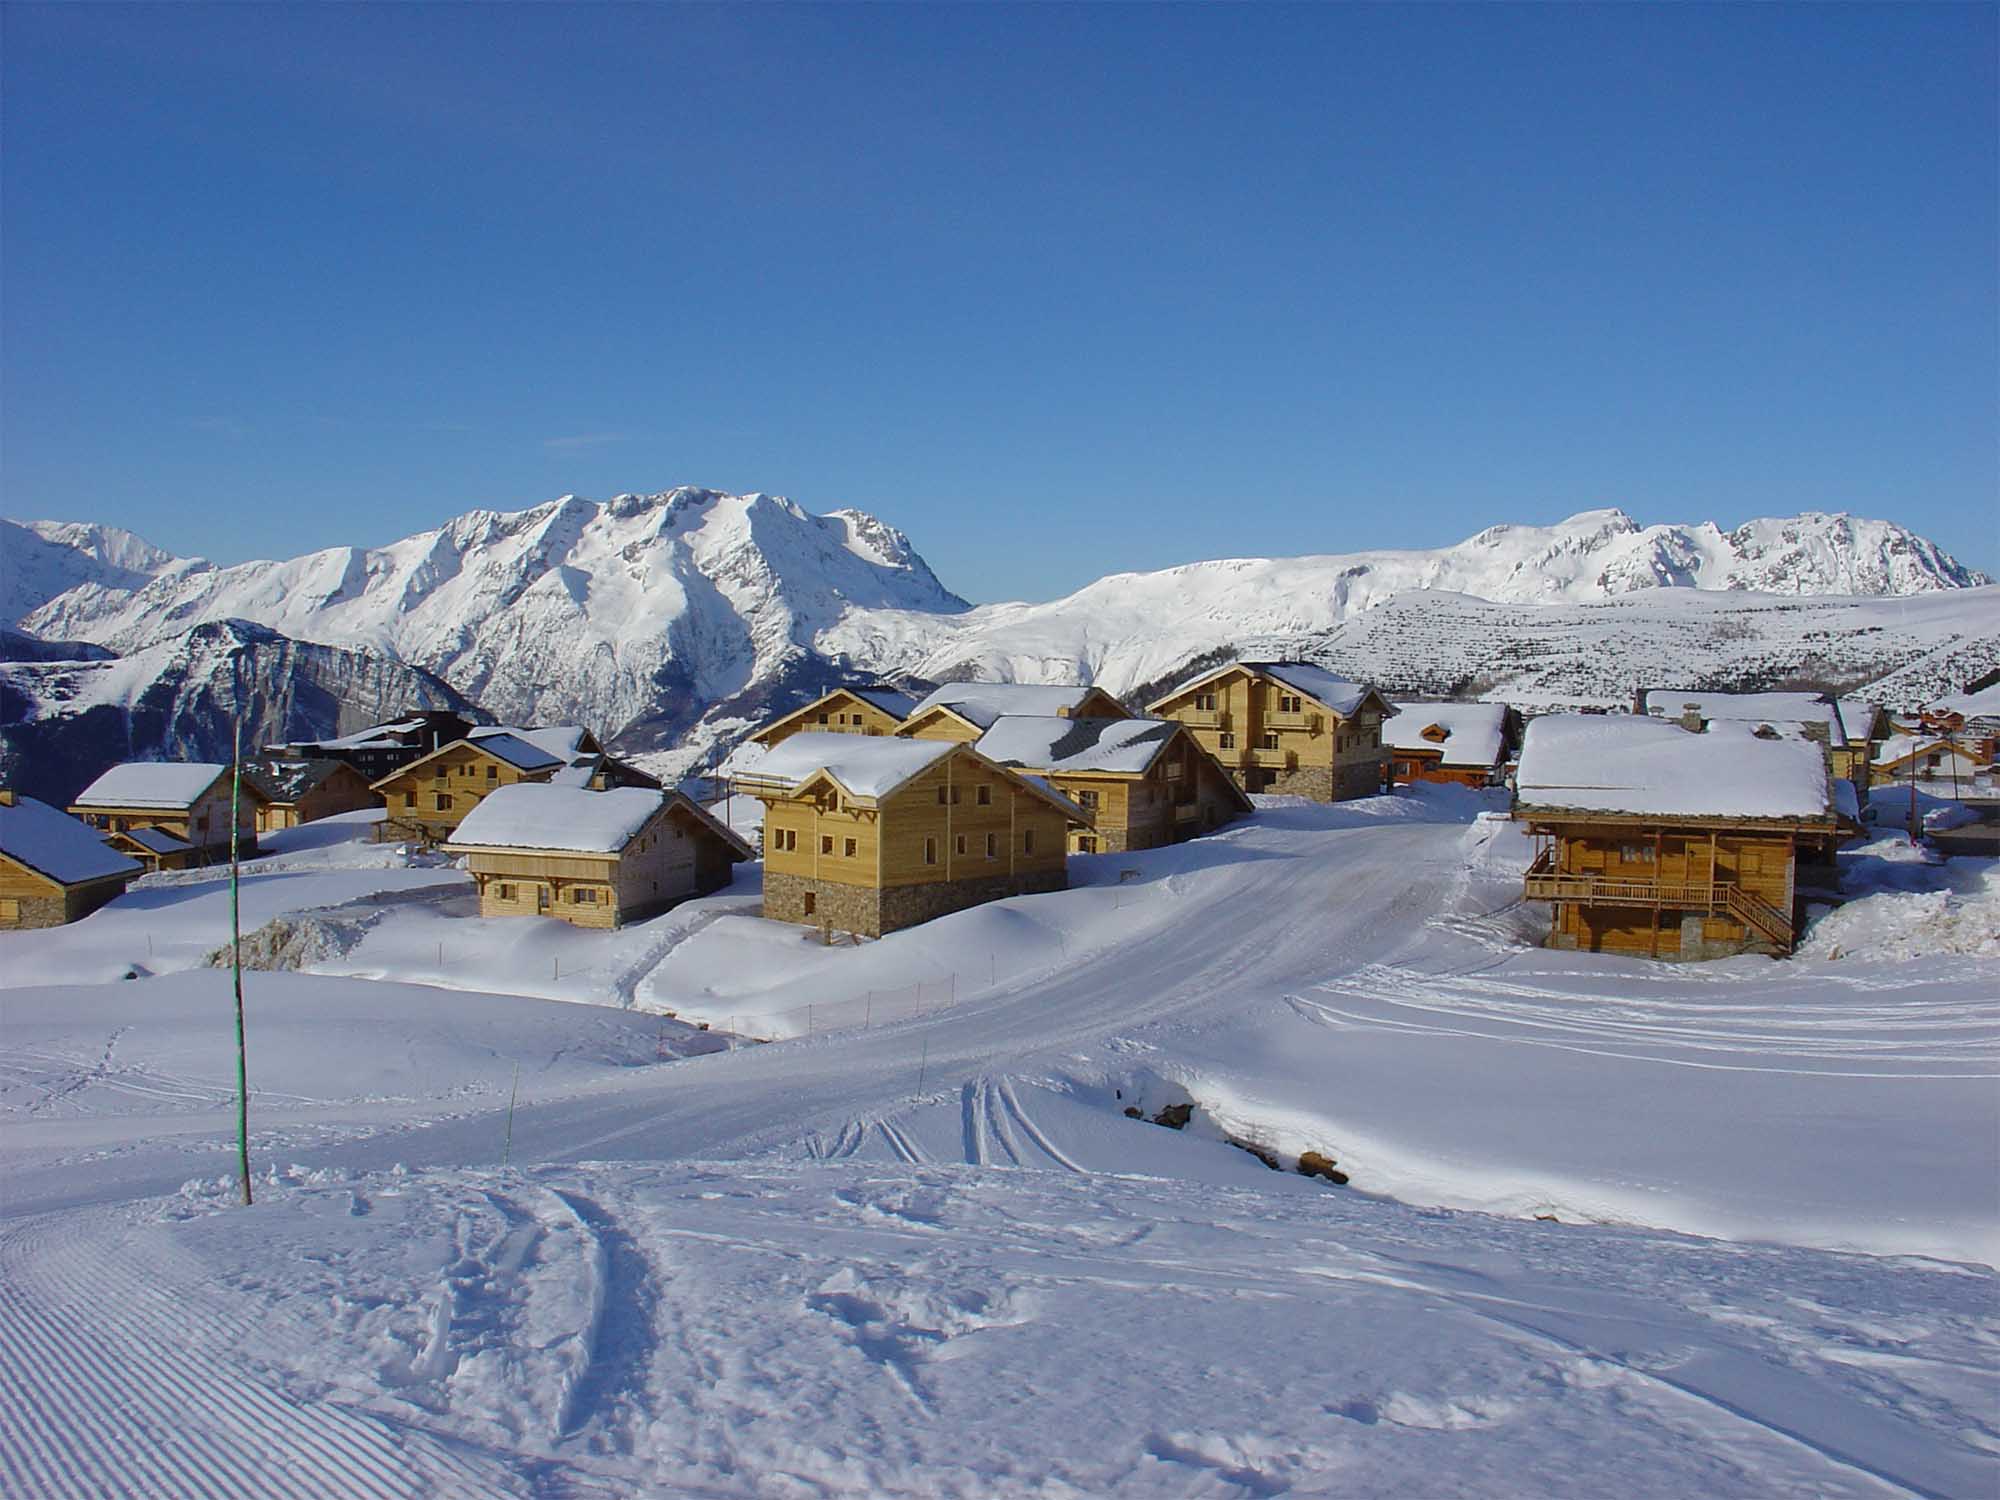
(670, 621)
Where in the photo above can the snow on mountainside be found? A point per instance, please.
(41, 559)
(672, 621)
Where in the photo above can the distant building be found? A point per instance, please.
(1286, 727)
(382, 748)
(1816, 716)
(1463, 743)
(1669, 842)
(304, 791)
(1864, 726)
(845, 710)
(963, 711)
(189, 800)
(428, 798)
(1929, 756)
(154, 848)
(1142, 782)
(592, 858)
(54, 868)
(871, 834)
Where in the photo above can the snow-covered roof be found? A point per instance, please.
(289, 780)
(867, 765)
(1755, 708)
(982, 703)
(531, 815)
(1047, 743)
(1857, 719)
(155, 840)
(1473, 732)
(888, 700)
(373, 737)
(1339, 694)
(52, 843)
(157, 784)
(558, 741)
(1628, 763)
(510, 746)
(1899, 746)
(1984, 704)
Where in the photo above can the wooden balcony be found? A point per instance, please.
(1306, 720)
(1204, 718)
(1272, 760)
(1710, 897)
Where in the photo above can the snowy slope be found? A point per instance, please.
(41, 559)
(931, 1256)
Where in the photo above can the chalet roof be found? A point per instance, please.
(1762, 708)
(867, 765)
(1632, 764)
(1046, 743)
(896, 705)
(1474, 733)
(1330, 690)
(155, 840)
(872, 766)
(374, 735)
(1901, 746)
(1984, 704)
(289, 780)
(51, 842)
(562, 741)
(1857, 719)
(515, 749)
(531, 815)
(166, 785)
(982, 703)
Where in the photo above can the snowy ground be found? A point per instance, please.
(1613, 1225)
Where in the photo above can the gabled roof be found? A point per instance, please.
(896, 705)
(1473, 734)
(50, 842)
(1900, 747)
(154, 840)
(1758, 708)
(289, 780)
(561, 741)
(503, 745)
(1637, 765)
(165, 785)
(980, 704)
(1045, 743)
(530, 815)
(872, 767)
(1337, 694)
(1859, 719)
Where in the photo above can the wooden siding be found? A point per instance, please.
(344, 790)
(660, 866)
(1184, 793)
(839, 712)
(461, 773)
(28, 898)
(1240, 718)
(204, 823)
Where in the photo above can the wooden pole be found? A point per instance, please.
(236, 964)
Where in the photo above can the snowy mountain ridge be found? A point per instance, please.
(669, 620)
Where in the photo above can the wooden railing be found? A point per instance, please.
(1304, 719)
(1277, 760)
(1544, 883)
(1204, 718)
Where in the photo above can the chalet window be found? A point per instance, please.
(409, 799)
(847, 848)
(1270, 739)
(954, 796)
(1204, 703)
(1087, 801)
(943, 796)
(1086, 845)
(1635, 854)
(443, 802)
(1225, 742)
(985, 798)
(958, 844)
(441, 771)
(1027, 841)
(812, 901)
(506, 892)
(992, 846)
(833, 802)
(826, 843)
(930, 851)
(583, 895)
(1290, 703)
(1175, 770)
(822, 718)
(492, 772)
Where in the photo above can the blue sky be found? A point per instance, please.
(1060, 291)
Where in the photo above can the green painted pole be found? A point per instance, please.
(236, 967)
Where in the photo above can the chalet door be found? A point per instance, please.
(541, 898)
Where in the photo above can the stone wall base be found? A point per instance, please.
(854, 908)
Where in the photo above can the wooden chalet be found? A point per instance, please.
(428, 798)
(154, 848)
(1864, 726)
(54, 868)
(1655, 840)
(383, 748)
(304, 791)
(1142, 782)
(1460, 743)
(189, 800)
(869, 835)
(963, 711)
(1930, 756)
(1815, 716)
(592, 858)
(1286, 727)
(845, 710)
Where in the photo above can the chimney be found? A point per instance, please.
(1690, 718)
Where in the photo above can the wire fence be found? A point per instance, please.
(858, 1010)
